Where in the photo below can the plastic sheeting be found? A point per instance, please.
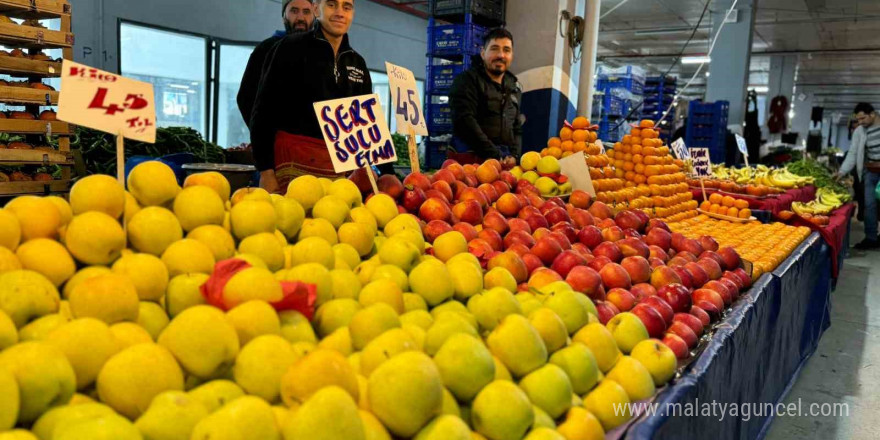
(753, 357)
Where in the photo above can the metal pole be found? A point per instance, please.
(588, 60)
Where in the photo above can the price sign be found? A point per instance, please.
(741, 144)
(406, 101)
(107, 102)
(575, 168)
(702, 165)
(680, 149)
(355, 132)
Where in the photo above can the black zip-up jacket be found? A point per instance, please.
(250, 81)
(302, 71)
(486, 115)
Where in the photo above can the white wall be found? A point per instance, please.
(379, 33)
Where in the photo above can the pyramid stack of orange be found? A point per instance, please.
(765, 245)
(726, 205)
(574, 140)
(652, 180)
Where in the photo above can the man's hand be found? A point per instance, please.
(268, 181)
(508, 162)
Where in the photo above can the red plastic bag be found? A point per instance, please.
(298, 296)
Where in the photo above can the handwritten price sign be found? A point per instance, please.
(406, 101)
(107, 102)
(680, 149)
(355, 132)
(702, 166)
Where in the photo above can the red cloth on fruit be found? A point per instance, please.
(298, 296)
(833, 233)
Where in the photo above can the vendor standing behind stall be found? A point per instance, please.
(315, 66)
(485, 101)
(298, 16)
(864, 157)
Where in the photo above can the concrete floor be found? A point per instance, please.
(846, 365)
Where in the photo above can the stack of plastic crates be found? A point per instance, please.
(618, 91)
(707, 128)
(455, 34)
(659, 94)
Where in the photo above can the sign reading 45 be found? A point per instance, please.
(405, 98)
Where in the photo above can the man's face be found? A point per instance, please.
(497, 55)
(336, 16)
(866, 119)
(299, 16)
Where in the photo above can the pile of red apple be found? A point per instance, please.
(625, 263)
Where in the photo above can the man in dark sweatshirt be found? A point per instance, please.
(485, 101)
(315, 66)
(298, 17)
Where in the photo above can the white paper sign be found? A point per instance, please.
(741, 144)
(355, 131)
(702, 165)
(679, 149)
(575, 168)
(106, 101)
(406, 100)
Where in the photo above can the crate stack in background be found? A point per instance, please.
(707, 128)
(455, 34)
(659, 94)
(618, 92)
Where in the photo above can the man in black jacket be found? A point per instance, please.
(298, 17)
(318, 65)
(485, 101)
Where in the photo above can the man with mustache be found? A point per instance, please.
(485, 101)
(298, 17)
(305, 68)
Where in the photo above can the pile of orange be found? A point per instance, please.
(575, 139)
(765, 245)
(726, 205)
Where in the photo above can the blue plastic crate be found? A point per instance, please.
(630, 83)
(455, 39)
(435, 154)
(615, 106)
(439, 115)
(441, 76)
(491, 9)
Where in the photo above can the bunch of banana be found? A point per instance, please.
(830, 197)
(812, 208)
(782, 178)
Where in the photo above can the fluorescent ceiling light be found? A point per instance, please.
(760, 89)
(696, 60)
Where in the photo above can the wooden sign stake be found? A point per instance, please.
(413, 151)
(703, 187)
(120, 159)
(372, 180)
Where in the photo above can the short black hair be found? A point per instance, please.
(284, 4)
(864, 107)
(496, 34)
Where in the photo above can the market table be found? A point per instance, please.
(835, 233)
(774, 205)
(754, 356)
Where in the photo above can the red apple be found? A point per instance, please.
(632, 247)
(729, 257)
(547, 249)
(654, 322)
(632, 233)
(433, 193)
(731, 286)
(390, 184)
(614, 275)
(456, 168)
(581, 217)
(587, 281)
(697, 273)
(567, 230)
(685, 277)
(517, 248)
(662, 276)
(487, 173)
(613, 233)
(709, 308)
(418, 180)
(638, 268)
(436, 228)
(536, 221)
(532, 262)
(643, 219)
(495, 221)
(492, 237)
(508, 204)
(741, 273)
(518, 224)
(541, 232)
(662, 307)
(413, 198)
(712, 268)
(580, 199)
(599, 262)
(466, 229)
(557, 201)
(691, 321)
(509, 179)
(708, 243)
(656, 262)
(610, 250)
(621, 298)
(726, 294)
(712, 255)
(443, 175)
(655, 223)
(557, 215)
(566, 261)
(677, 345)
(501, 187)
(606, 311)
(657, 252)
(687, 256)
(435, 209)
(677, 239)
(489, 191)
(627, 220)
(677, 296)
(513, 263)
(581, 249)
(684, 332)
(659, 237)
(444, 188)
(590, 236)
(474, 194)
(543, 276)
(561, 239)
(642, 291)
(528, 211)
(701, 315)
(677, 261)
(600, 210)
(458, 188)
(468, 211)
(606, 223)
(518, 237)
(471, 180)
(730, 276)
(480, 248)
(710, 296)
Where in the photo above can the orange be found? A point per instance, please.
(741, 204)
(636, 140)
(544, 152)
(566, 153)
(628, 157)
(629, 175)
(639, 168)
(617, 145)
(716, 198)
(645, 123)
(627, 139)
(565, 134)
(628, 166)
(745, 213)
(580, 146)
(555, 152)
(580, 122)
(727, 201)
(594, 136)
(637, 158)
(636, 132)
(579, 136)
(567, 146)
(554, 142)
(732, 212)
